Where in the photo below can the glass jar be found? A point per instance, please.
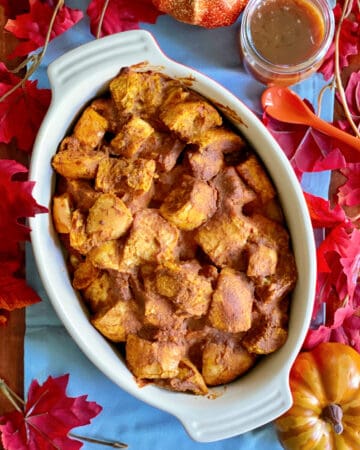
(285, 41)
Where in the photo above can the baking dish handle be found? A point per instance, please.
(264, 407)
(108, 55)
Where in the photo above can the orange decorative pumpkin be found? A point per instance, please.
(325, 384)
(205, 13)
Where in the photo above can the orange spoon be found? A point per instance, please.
(283, 104)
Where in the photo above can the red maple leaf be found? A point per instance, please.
(348, 45)
(22, 112)
(348, 333)
(48, 417)
(16, 204)
(121, 15)
(339, 260)
(32, 27)
(349, 192)
(345, 329)
(322, 216)
(338, 287)
(14, 291)
(307, 149)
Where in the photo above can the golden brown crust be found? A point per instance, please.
(175, 235)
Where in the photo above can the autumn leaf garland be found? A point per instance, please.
(22, 111)
(16, 204)
(338, 265)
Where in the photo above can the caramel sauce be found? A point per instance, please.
(287, 32)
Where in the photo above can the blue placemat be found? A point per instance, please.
(49, 350)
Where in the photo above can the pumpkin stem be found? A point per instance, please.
(333, 414)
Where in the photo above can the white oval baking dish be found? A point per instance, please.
(262, 394)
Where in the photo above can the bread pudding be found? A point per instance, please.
(174, 234)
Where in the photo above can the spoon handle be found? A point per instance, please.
(331, 130)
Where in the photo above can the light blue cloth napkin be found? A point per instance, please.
(49, 350)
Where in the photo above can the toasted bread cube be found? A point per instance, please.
(85, 273)
(188, 379)
(269, 232)
(132, 136)
(166, 181)
(224, 362)
(264, 338)
(158, 311)
(108, 219)
(187, 289)
(186, 246)
(61, 213)
(262, 261)
(82, 163)
(232, 302)
(106, 255)
(221, 139)
(271, 209)
(151, 360)
(190, 204)
(151, 239)
(125, 90)
(138, 93)
(233, 193)
(123, 175)
(207, 159)
(206, 164)
(110, 176)
(97, 294)
(90, 128)
(70, 143)
(138, 200)
(276, 312)
(223, 239)
(190, 119)
(117, 321)
(278, 285)
(141, 174)
(253, 173)
(79, 239)
(82, 193)
(106, 290)
(106, 108)
(164, 149)
(176, 93)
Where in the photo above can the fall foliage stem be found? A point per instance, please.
(345, 12)
(99, 441)
(13, 398)
(34, 60)
(321, 95)
(101, 20)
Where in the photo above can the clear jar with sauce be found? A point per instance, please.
(285, 41)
